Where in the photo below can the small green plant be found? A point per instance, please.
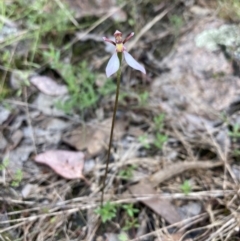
(53, 220)
(186, 187)
(127, 173)
(143, 139)
(131, 221)
(159, 122)
(4, 164)
(236, 152)
(107, 211)
(160, 139)
(17, 178)
(53, 56)
(81, 87)
(22, 77)
(143, 98)
(41, 21)
(235, 133)
(177, 23)
(123, 237)
(130, 210)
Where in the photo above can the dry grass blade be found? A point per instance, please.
(148, 26)
(179, 168)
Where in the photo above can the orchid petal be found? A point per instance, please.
(109, 40)
(128, 37)
(133, 63)
(113, 65)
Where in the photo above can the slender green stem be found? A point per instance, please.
(112, 127)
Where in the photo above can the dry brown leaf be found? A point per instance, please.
(79, 137)
(94, 139)
(101, 135)
(16, 138)
(119, 127)
(146, 188)
(86, 137)
(97, 143)
(135, 131)
(67, 164)
(162, 207)
(48, 86)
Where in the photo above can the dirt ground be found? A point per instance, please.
(174, 166)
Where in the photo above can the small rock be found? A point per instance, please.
(46, 104)
(190, 210)
(4, 114)
(27, 189)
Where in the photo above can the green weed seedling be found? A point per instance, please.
(235, 133)
(159, 121)
(81, 87)
(131, 222)
(144, 141)
(89, 95)
(236, 152)
(82, 90)
(17, 178)
(186, 187)
(23, 77)
(130, 210)
(123, 237)
(107, 211)
(177, 23)
(53, 220)
(53, 56)
(4, 164)
(42, 20)
(160, 139)
(127, 173)
(143, 98)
